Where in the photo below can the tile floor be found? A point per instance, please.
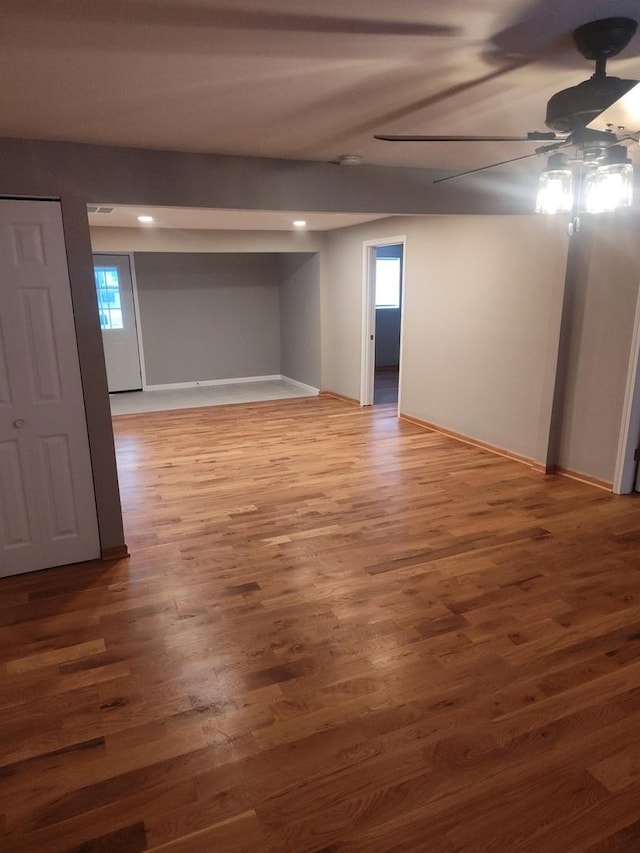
(133, 402)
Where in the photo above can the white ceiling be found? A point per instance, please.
(294, 78)
(126, 216)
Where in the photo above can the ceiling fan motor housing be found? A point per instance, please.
(572, 108)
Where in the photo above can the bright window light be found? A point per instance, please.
(108, 291)
(387, 282)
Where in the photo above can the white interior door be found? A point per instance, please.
(118, 321)
(47, 502)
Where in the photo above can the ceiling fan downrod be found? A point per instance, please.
(573, 109)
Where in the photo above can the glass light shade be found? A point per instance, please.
(591, 200)
(615, 185)
(555, 191)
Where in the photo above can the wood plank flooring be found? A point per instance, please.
(337, 633)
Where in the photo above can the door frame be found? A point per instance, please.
(136, 307)
(625, 470)
(368, 328)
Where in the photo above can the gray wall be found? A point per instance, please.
(388, 320)
(481, 323)
(602, 290)
(109, 239)
(300, 317)
(208, 315)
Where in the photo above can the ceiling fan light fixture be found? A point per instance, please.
(555, 186)
(590, 195)
(615, 178)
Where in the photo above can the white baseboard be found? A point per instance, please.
(302, 385)
(176, 386)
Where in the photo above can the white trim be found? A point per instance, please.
(368, 347)
(138, 316)
(402, 292)
(367, 343)
(176, 386)
(625, 470)
(302, 385)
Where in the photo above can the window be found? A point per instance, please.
(108, 290)
(387, 282)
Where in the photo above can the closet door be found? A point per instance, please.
(47, 502)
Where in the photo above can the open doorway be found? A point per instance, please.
(388, 298)
(213, 327)
(382, 321)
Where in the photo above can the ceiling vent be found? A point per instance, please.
(98, 208)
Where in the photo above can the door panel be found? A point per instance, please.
(15, 528)
(5, 389)
(47, 513)
(42, 354)
(56, 469)
(114, 287)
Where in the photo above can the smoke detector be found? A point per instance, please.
(350, 160)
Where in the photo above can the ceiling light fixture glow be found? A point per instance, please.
(555, 186)
(145, 219)
(613, 184)
(603, 182)
(299, 223)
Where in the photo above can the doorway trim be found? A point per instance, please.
(136, 309)
(625, 470)
(368, 329)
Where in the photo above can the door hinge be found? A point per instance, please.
(636, 455)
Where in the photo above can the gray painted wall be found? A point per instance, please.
(602, 290)
(481, 322)
(300, 317)
(208, 315)
(98, 173)
(108, 239)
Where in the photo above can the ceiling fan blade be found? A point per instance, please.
(530, 137)
(177, 13)
(543, 150)
(622, 116)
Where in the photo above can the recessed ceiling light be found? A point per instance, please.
(299, 223)
(145, 219)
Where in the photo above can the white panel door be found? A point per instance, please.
(118, 321)
(47, 502)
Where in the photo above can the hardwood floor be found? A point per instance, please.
(385, 386)
(337, 632)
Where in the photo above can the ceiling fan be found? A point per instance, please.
(593, 117)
